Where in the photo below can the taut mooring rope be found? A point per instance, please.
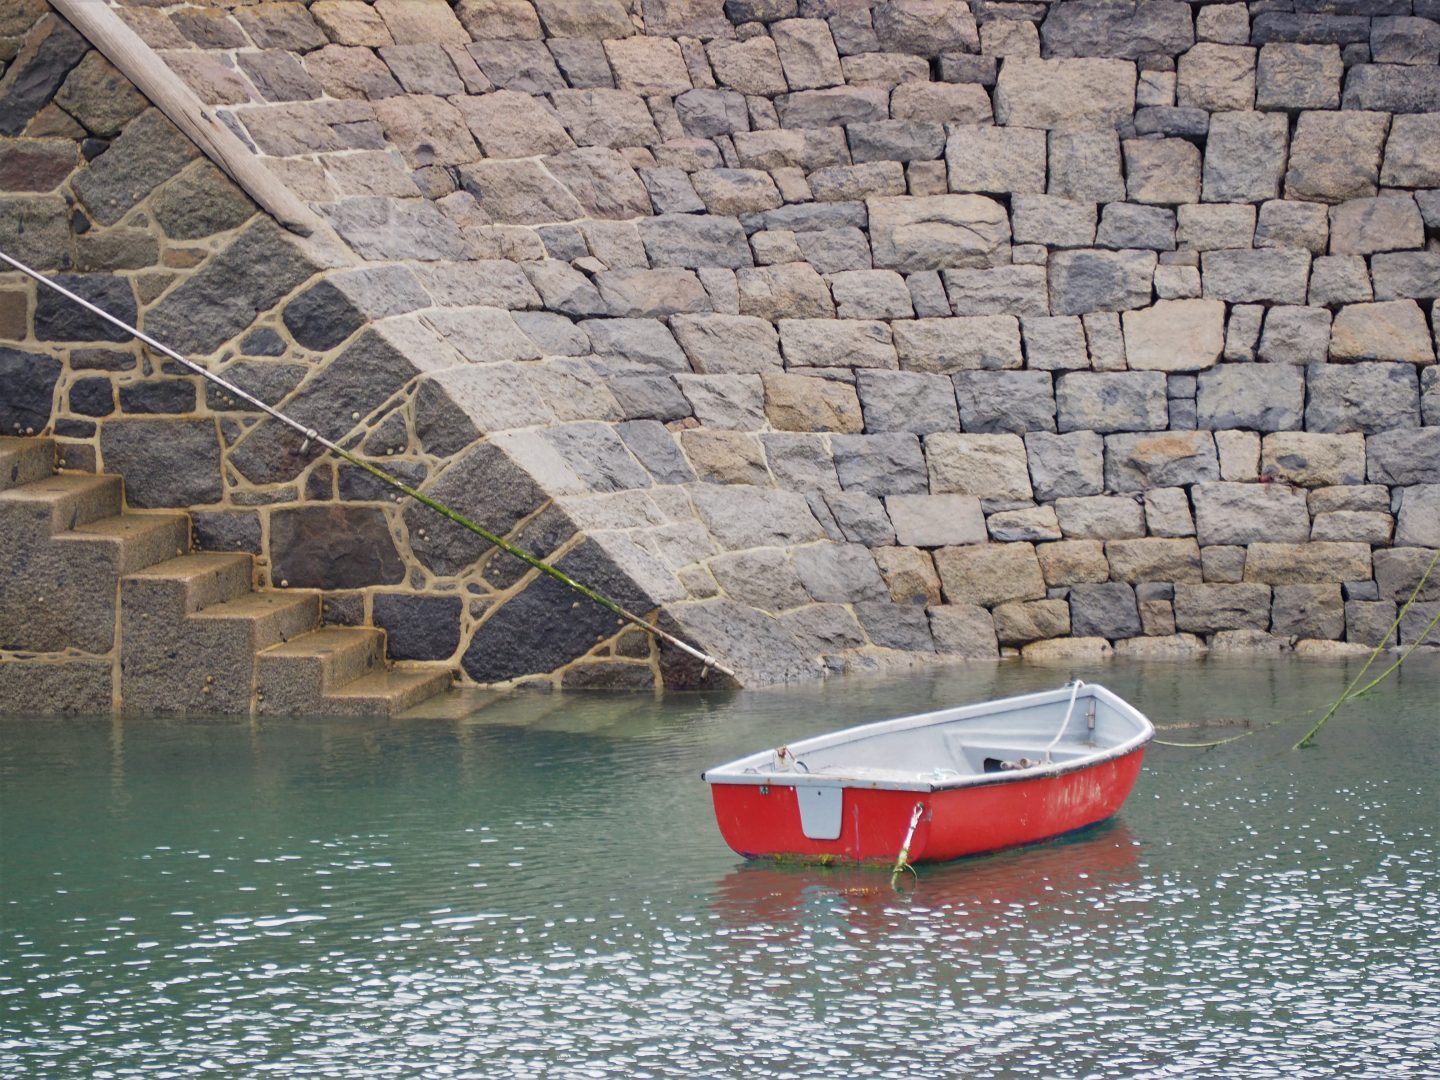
(380, 474)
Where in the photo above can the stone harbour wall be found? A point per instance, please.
(835, 332)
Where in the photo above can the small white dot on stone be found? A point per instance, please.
(354, 416)
(285, 583)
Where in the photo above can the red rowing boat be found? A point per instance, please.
(937, 785)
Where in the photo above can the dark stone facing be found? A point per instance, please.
(333, 547)
(321, 317)
(226, 530)
(419, 627)
(92, 397)
(51, 50)
(60, 319)
(163, 396)
(248, 277)
(549, 624)
(27, 391)
(165, 462)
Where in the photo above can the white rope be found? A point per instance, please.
(1066, 722)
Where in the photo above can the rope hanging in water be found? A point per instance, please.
(1349, 692)
(311, 434)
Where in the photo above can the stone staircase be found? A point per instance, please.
(103, 608)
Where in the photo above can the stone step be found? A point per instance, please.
(275, 616)
(59, 503)
(137, 540)
(388, 693)
(296, 676)
(186, 584)
(23, 461)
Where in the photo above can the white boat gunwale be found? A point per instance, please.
(743, 770)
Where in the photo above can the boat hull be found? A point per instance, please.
(763, 820)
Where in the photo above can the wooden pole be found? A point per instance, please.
(104, 29)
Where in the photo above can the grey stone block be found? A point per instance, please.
(1370, 397)
(1033, 523)
(938, 231)
(1206, 609)
(687, 240)
(907, 401)
(839, 573)
(995, 160)
(888, 464)
(1022, 621)
(861, 518)
(1223, 565)
(1111, 401)
(1227, 513)
(1418, 522)
(1413, 274)
(1065, 465)
(1295, 335)
(744, 517)
(1296, 76)
(896, 626)
(994, 402)
(1273, 275)
(964, 630)
(1054, 343)
(1307, 611)
(1367, 622)
(1244, 156)
(1257, 397)
(958, 344)
(1092, 280)
(1106, 610)
(1124, 225)
(1404, 456)
(1051, 220)
(1006, 290)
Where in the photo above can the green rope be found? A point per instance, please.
(1349, 692)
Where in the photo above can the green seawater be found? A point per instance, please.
(533, 886)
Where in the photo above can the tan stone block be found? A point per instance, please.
(726, 457)
(1175, 335)
(1164, 647)
(353, 22)
(648, 65)
(990, 573)
(1313, 460)
(1157, 617)
(1315, 563)
(1154, 559)
(1083, 650)
(1066, 95)
(801, 403)
(1020, 621)
(1391, 330)
(986, 466)
(1073, 562)
(420, 22)
(909, 574)
(14, 315)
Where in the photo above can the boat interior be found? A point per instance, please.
(966, 742)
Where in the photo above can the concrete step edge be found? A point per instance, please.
(141, 540)
(196, 580)
(276, 617)
(23, 460)
(67, 500)
(339, 654)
